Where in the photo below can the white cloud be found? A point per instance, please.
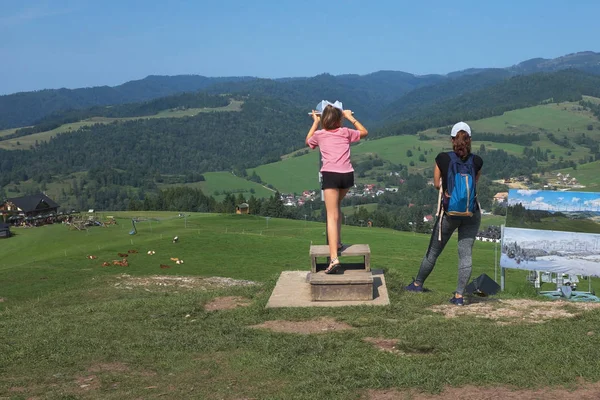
(540, 205)
(575, 199)
(539, 199)
(592, 203)
(527, 192)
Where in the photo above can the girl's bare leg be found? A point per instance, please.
(343, 193)
(332, 206)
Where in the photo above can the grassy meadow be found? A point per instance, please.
(73, 329)
(586, 174)
(554, 117)
(295, 174)
(6, 132)
(218, 182)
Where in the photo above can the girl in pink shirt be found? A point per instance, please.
(337, 172)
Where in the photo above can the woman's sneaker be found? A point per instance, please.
(457, 301)
(413, 288)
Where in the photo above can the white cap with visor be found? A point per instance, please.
(460, 126)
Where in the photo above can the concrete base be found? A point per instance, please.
(351, 285)
(294, 290)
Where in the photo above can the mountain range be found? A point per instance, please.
(381, 93)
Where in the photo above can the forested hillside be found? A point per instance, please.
(25, 108)
(511, 94)
(153, 107)
(142, 149)
(415, 101)
(367, 95)
(266, 128)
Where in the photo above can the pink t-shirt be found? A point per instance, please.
(335, 148)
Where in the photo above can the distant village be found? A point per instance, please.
(38, 209)
(558, 182)
(368, 190)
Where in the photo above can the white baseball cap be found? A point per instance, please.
(460, 126)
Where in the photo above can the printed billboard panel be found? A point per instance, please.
(554, 211)
(575, 253)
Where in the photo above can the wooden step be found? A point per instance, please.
(353, 250)
(349, 286)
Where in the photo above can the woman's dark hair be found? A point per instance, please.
(461, 144)
(331, 118)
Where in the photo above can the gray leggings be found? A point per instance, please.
(467, 230)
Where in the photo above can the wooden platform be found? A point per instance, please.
(353, 250)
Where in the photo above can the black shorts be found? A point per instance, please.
(336, 180)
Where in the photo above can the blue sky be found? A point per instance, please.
(80, 43)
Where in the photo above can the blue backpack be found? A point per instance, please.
(460, 199)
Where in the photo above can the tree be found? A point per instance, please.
(409, 153)
(254, 204)
(240, 199)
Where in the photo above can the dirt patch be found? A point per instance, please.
(227, 303)
(397, 346)
(517, 310)
(87, 383)
(126, 281)
(109, 367)
(387, 345)
(321, 325)
(584, 392)
(1, 299)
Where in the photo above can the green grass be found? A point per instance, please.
(564, 118)
(489, 220)
(586, 174)
(595, 100)
(226, 181)
(292, 175)
(66, 323)
(7, 132)
(350, 210)
(29, 140)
